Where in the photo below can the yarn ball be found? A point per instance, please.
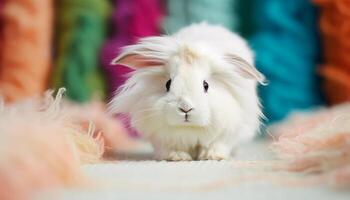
(335, 27)
(287, 53)
(182, 13)
(129, 23)
(81, 29)
(25, 54)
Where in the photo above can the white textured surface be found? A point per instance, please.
(195, 180)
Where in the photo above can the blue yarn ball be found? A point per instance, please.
(184, 12)
(287, 52)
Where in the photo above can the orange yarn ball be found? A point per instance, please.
(25, 56)
(335, 27)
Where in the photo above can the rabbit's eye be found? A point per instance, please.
(205, 86)
(167, 85)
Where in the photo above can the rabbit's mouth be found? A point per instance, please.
(186, 118)
(188, 121)
(185, 122)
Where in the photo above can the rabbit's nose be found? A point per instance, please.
(185, 106)
(185, 110)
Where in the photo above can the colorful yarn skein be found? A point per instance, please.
(287, 52)
(25, 55)
(81, 28)
(183, 12)
(335, 26)
(129, 22)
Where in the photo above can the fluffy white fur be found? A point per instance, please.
(227, 114)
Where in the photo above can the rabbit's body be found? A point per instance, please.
(193, 94)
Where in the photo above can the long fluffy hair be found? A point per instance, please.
(197, 54)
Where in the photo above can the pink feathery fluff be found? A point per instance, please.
(44, 141)
(94, 115)
(317, 142)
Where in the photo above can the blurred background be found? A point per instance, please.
(301, 46)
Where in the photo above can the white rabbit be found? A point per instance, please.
(193, 94)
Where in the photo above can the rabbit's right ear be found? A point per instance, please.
(148, 52)
(245, 69)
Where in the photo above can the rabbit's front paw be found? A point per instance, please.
(214, 153)
(177, 156)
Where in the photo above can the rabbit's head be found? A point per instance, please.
(181, 85)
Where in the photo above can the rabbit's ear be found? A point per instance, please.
(149, 51)
(136, 61)
(245, 69)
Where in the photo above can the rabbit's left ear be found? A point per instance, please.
(135, 61)
(245, 69)
(149, 51)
